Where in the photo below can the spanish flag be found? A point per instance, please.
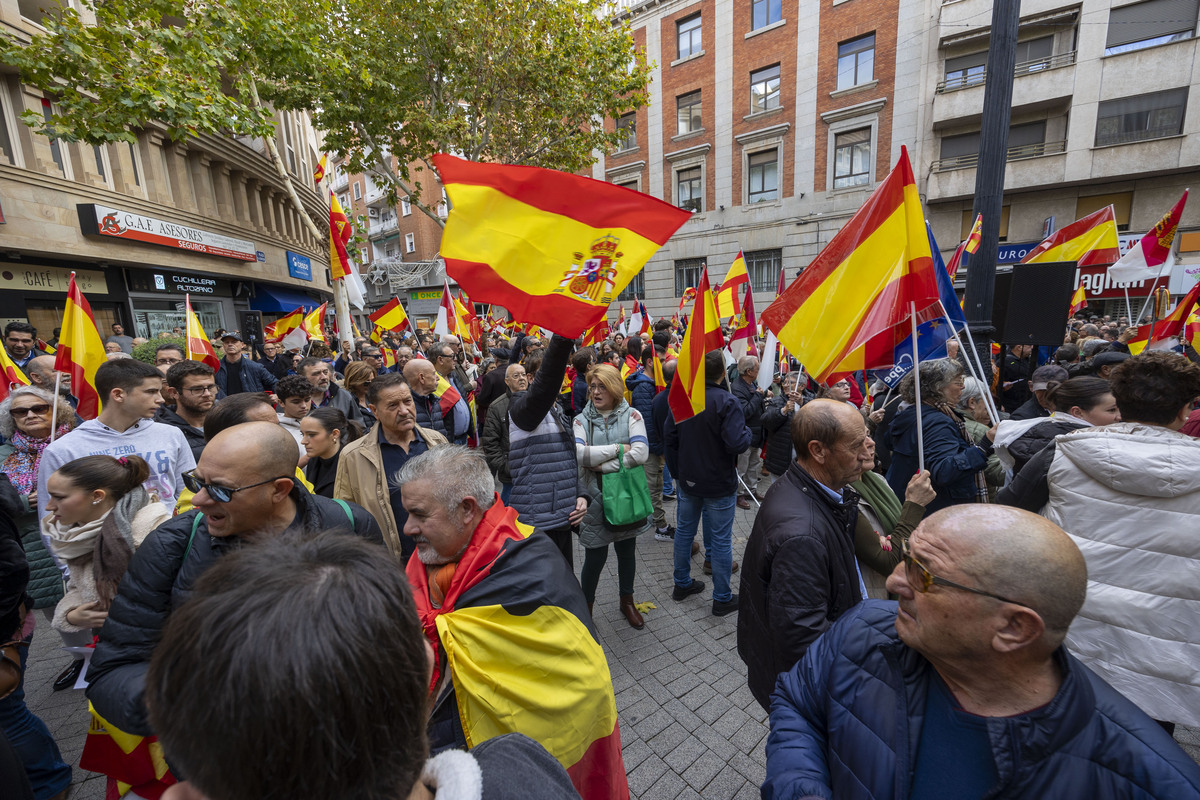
(1078, 301)
(660, 381)
(686, 398)
(1173, 325)
(134, 763)
(314, 324)
(1087, 241)
(339, 234)
(45, 347)
(522, 652)
(689, 294)
(199, 348)
(967, 246)
(851, 307)
(275, 331)
(550, 247)
(596, 334)
(729, 301)
(1191, 331)
(80, 351)
(391, 317)
(319, 172)
(741, 341)
(13, 376)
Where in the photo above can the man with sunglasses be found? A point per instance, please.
(244, 491)
(965, 689)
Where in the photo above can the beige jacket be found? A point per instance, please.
(360, 479)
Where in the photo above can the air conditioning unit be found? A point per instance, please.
(373, 213)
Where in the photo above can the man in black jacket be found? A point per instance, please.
(800, 574)
(192, 391)
(745, 389)
(245, 490)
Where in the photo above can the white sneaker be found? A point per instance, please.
(665, 535)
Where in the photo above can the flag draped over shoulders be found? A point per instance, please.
(512, 627)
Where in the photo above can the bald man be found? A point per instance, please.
(443, 410)
(245, 491)
(965, 690)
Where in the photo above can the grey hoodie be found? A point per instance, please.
(163, 447)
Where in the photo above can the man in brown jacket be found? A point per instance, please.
(368, 468)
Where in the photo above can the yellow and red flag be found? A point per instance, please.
(1078, 301)
(729, 299)
(660, 380)
(339, 233)
(1171, 326)
(703, 334)
(551, 247)
(275, 331)
(199, 348)
(391, 317)
(689, 294)
(741, 341)
(80, 351)
(967, 246)
(850, 309)
(1087, 241)
(134, 763)
(1191, 331)
(45, 347)
(13, 377)
(319, 172)
(314, 324)
(596, 334)
(621, 319)
(389, 357)
(468, 324)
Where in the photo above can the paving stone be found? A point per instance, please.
(698, 696)
(684, 754)
(703, 770)
(654, 724)
(682, 715)
(668, 739)
(644, 776)
(669, 785)
(633, 750)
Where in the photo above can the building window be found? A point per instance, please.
(966, 71)
(764, 89)
(687, 275)
(1024, 141)
(763, 175)
(629, 185)
(1122, 203)
(289, 145)
(1140, 25)
(690, 189)
(852, 159)
(410, 242)
(627, 127)
(764, 267)
(56, 152)
(101, 162)
(689, 36)
(765, 12)
(688, 108)
(1033, 55)
(1146, 116)
(405, 206)
(7, 151)
(856, 62)
(345, 201)
(635, 288)
(133, 160)
(443, 207)
(357, 190)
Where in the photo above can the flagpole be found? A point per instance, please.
(912, 306)
(54, 405)
(1128, 307)
(979, 363)
(1149, 300)
(987, 394)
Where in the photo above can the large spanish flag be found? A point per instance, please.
(11, 375)
(729, 303)
(199, 348)
(686, 398)
(339, 234)
(850, 308)
(1173, 325)
(80, 351)
(314, 324)
(1087, 241)
(552, 248)
(391, 317)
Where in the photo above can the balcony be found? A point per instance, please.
(1031, 166)
(379, 228)
(1041, 84)
(978, 79)
(1017, 153)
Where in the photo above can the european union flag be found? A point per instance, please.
(932, 335)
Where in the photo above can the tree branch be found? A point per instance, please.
(283, 173)
(391, 177)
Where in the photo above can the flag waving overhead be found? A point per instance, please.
(80, 351)
(287, 331)
(1171, 326)
(850, 308)
(391, 317)
(12, 376)
(552, 248)
(319, 172)
(741, 341)
(1152, 256)
(199, 348)
(729, 301)
(1078, 301)
(314, 324)
(339, 234)
(967, 247)
(1090, 240)
(703, 334)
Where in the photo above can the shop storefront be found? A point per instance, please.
(36, 292)
(156, 298)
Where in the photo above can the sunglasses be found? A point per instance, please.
(40, 410)
(922, 579)
(222, 494)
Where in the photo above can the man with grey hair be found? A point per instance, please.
(745, 389)
(965, 689)
(500, 608)
(42, 374)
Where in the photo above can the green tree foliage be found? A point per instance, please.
(390, 82)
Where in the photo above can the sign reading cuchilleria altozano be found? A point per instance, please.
(99, 220)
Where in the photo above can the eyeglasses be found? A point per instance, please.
(198, 390)
(922, 579)
(168, 361)
(222, 494)
(39, 411)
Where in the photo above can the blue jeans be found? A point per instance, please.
(29, 736)
(668, 481)
(717, 513)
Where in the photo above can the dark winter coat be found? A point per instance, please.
(798, 576)
(344, 402)
(702, 451)
(494, 440)
(1030, 409)
(642, 393)
(1030, 443)
(952, 461)
(255, 377)
(161, 576)
(752, 407)
(45, 579)
(194, 436)
(777, 428)
(14, 574)
(846, 722)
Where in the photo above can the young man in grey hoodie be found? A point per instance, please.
(130, 394)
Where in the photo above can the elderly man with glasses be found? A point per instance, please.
(245, 490)
(964, 689)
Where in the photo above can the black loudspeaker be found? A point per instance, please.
(1031, 303)
(250, 326)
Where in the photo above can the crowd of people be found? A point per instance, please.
(962, 586)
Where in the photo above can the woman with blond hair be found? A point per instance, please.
(608, 428)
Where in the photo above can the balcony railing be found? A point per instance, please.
(1126, 137)
(1016, 153)
(380, 227)
(1024, 68)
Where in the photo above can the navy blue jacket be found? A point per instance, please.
(660, 412)
(702, 451)
(952, 461)
(255, 377)
(846, 722)
(641, 391)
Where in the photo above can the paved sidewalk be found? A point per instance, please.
(689, 726)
